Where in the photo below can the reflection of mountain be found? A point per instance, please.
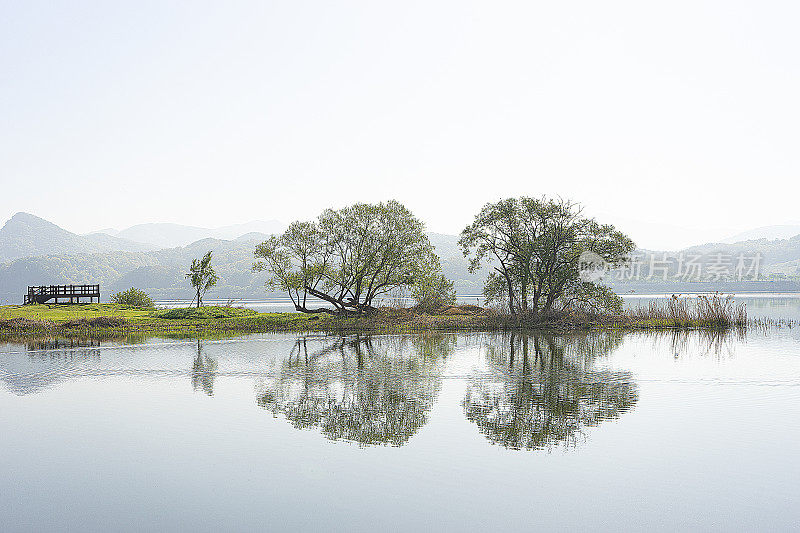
(542, 390)
(371, 390)
(71, 343)
(38, 364)
(48, 362)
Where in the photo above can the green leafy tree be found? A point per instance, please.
(349, 257)
(133, 297)
(297, 262)
(534, 246)
(202, 276)
(493, 237)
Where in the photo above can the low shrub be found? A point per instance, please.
(133, 297)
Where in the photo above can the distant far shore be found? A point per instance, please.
(282, 303)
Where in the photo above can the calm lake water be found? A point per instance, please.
(438, 431)
(759, 305)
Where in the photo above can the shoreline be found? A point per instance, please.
(109, 320)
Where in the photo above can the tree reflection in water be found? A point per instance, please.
(204, 370)
(541, 390)
(370, 390)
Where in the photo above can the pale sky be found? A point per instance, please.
(679, 121)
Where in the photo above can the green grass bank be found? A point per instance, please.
(106, 320)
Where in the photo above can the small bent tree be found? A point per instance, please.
(202, 276)
(349, 258)
(534, 246)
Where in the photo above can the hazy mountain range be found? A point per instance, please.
(166, 235)
(785, 231)
(154, 257)
(25, 235)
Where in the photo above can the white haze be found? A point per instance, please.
(677, 121)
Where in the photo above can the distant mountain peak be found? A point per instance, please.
(26, 218)
(24, 223)
(22, 215)
(27, 235)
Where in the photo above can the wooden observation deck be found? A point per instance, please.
(73, 293)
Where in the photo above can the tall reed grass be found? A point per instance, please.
(713, 311)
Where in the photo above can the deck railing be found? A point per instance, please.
(43, 293)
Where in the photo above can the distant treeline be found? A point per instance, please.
(161, 273)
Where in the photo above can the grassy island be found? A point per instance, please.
(103, 320)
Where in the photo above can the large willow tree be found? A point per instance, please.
(349, 257)
(534, 248)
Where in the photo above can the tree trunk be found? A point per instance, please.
(551, 299)
(510, 293)
(340, 306)
(535, 301)
(303, 309)
(524, 294)
(337, 303)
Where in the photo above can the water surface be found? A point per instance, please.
(759, 305)
(466, 431)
